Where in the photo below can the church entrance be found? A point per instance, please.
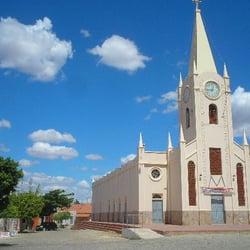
(217, 205)
(157, 209)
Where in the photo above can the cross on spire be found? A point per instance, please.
(197, 2)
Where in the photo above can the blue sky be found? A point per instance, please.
(95, 103)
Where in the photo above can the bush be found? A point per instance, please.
(61, 216)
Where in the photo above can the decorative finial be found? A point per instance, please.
(170, 145)
(181, 81)
(197, 2)
(182, 139)
(194, 68)
(245, 142)
(225, 74)
(141, 144)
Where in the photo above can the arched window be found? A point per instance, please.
(240, 185)
(213, 114)
(191, 184)
(187, 118)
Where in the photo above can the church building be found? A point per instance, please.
(206, 180)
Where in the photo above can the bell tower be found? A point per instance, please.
(205, 120)
(204, 95)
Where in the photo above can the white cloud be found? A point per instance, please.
(96, 178)
(27, 163)
(32, 49)
(48, 182)
(120, 53)
(81, 189)
(128, 158)
(51, 136)
(48, 151)
(170, 99)
(169, 96)
(5, 123)
(85, 33)
(181, 63)
(4, 148)
(83, 184)
(94, 157)
(140, 99)
(171, 107)
(151, 112)
(240, 110)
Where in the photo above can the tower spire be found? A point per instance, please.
(201, 54)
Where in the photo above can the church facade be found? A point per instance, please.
(206, 180)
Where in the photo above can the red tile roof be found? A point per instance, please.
(82, 210)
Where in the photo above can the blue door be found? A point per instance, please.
(157, 214)
(217, 203)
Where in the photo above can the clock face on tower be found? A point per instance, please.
(212, 89)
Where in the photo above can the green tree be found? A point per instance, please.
(56, 199)
(10, 174)
(61, 216)
(25, 206)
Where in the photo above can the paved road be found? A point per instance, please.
(67, 240)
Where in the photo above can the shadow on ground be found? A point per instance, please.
(6, 245)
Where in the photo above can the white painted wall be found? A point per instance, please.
(147, 185)
(121, 184)
(174, 181)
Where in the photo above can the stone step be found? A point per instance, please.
(102, 226)
(98, 226)
(140, 233)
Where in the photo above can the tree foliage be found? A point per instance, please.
(25, 205)
(10, 174)
(61, 216)
(56, 199)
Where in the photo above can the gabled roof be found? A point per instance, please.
(81, 210)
